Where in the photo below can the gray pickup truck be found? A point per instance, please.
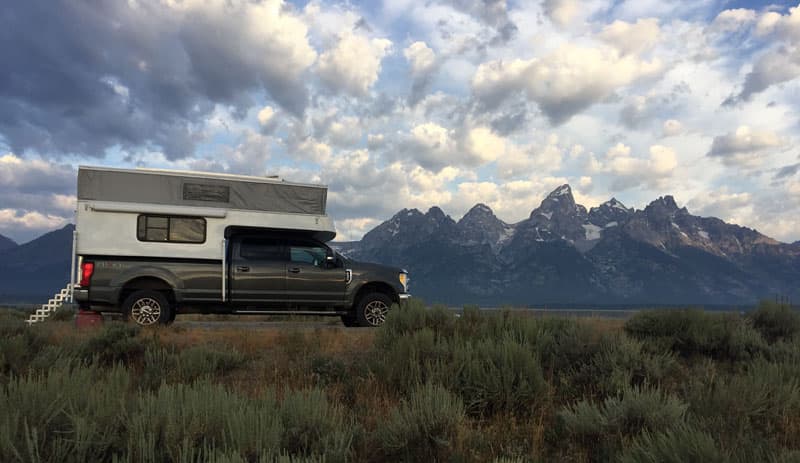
(262, 273)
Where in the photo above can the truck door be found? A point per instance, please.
(310, 279)
(258, 273)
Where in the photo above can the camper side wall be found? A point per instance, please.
(116, 229)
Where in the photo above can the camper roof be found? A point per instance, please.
(199, 189)
(199, 174)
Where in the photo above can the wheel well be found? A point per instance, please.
(153, 283)
(377, 287)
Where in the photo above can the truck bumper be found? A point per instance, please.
(81, 295)
(404, 296)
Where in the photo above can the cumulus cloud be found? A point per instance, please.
(628, 171)
(267, 119)
(422, 63)
(534, 159)
(562, 12)
(129, 74)
(632, 38)
(671, 128)
(434, 147)
(773, 67)
(733, 19)
(745, 146)
(785, 26)
(353, 64)
(564, 82)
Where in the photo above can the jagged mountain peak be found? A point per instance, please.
(665, 205)
(609, 214)
(616, 204)
(436, 212)
(563, 190)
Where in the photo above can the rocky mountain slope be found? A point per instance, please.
(564, 254)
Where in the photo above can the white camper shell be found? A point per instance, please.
(185, 215)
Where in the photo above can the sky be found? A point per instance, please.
(410, 103)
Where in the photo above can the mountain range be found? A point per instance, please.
(34, 271)
(564, 254)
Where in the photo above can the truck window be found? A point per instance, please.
(262, 249)
(171, 229)
(313, 255)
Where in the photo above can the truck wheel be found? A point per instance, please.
(372, 309)
(147, 307)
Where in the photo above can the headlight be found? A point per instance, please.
(404, 280)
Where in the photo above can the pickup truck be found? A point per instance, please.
(260, 274)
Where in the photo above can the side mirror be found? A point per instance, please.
(331, 261)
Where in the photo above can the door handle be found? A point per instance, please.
(294, 270)
(242, 268)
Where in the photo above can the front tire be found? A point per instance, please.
(147, 308)
(372, 309)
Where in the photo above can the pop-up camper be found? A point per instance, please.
(153, 243)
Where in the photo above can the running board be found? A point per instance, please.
(289, 312)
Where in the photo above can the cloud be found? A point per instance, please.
(564, 82)
(745, 146)
(14, 221)
(267, 119)
(632, 38)
(423, 63)
(787, 171)
(671, 128)
(353, 64)
(773, 67)
(628, 171)
(736, 207)
(561, 12)
(783, 26)
(420, 57)
(733, 20)
(534, 159)
(129, 74)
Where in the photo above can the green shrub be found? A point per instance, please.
(314, 426)
(409, 318)
(776, 322)
(425, 427)
(116, 342)
(691, 332)
(205, 362)
(601, 427)
(744, 410)
(494, 376)
(328, 369)
(177, 419)
(410, 360)
(19, 345)
(64, 314)
(67, 414)
(619, 363)
(682, 444)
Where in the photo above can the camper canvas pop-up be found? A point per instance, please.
(152, 244)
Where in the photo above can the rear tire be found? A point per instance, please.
(372, 309)
(147, 308)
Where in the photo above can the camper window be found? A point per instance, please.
(171, 229)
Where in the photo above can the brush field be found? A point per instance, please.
(664, 385)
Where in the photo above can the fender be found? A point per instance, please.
(149, 271)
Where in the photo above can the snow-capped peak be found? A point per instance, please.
(561, 191)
